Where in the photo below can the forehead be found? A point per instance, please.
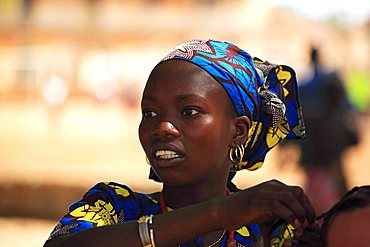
(181, 77)
(350, 228)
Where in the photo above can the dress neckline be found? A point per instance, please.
(230, 234)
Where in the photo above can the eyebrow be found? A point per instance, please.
(181, 97)
(148, 97)
(189, 97)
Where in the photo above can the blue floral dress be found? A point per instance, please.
(111, 203)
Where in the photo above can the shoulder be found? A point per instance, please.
(106, 203)
(119, 189)
(113, 189)
(132, 204)
(111, 192)
(118, 198)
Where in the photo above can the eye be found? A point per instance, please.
(190, 112)
(149, 113)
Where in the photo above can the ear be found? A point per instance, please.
(241, 130)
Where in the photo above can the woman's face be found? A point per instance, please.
(187, 124)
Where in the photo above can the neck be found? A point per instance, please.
(177, 196)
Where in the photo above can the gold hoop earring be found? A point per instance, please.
(241, 149)
(236, 154)
(231, 155)
(147, 160)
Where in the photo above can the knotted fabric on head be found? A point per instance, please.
(266, 93)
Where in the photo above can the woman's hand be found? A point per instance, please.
(265, 202)
(306, 237)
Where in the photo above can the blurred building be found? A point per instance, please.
(115, 42)
(72, 71)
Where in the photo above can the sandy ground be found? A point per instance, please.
(86, 142)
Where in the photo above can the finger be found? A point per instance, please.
(281, 211)
(273, 185)
(310, 237)
(310, 214)
(292, 197)
(288, 198)
(288, 243)
(295, 199)
(298, 233)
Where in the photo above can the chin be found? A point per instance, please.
(173, 179)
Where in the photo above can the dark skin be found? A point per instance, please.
(188, 127)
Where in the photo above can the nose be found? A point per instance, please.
(166, 128)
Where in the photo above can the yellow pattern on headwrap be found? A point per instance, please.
(275, 135)
(284, 77)
(255, 130)
(255, 166)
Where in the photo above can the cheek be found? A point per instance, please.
(210, 134)
(143, 135)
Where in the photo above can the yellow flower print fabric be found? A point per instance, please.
(112, 203)
(100, 214)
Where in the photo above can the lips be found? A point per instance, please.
(166, 156)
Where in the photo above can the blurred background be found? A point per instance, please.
(72, 72)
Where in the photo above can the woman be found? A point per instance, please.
(206, 111)
(347, 223)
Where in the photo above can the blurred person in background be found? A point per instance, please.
(55, 92)
(347, 223)
(208, 110)
(331, 129)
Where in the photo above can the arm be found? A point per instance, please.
(258, 204)
(183, 225)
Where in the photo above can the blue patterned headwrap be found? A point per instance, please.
(266, 93)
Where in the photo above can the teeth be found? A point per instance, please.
(166, 154)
